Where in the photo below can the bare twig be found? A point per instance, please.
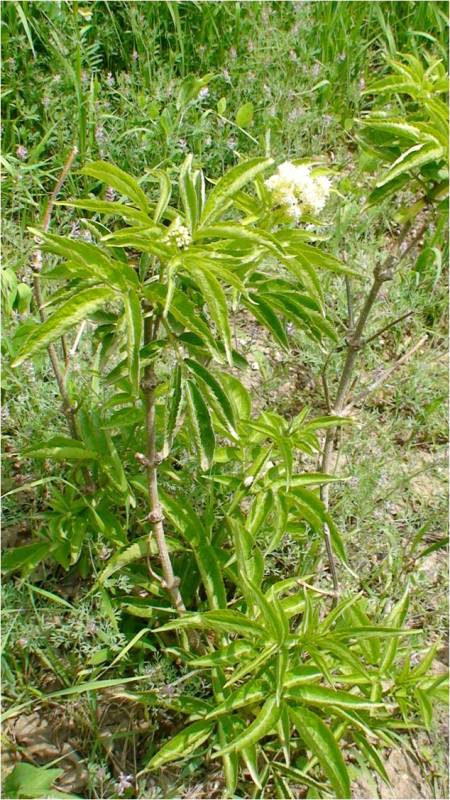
(386, 328)
(383, 377)
(382, 273)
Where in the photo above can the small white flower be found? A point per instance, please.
(296, 190)
(178, 234)
(204, 92)
(21, 152)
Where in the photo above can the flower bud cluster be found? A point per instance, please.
(297, 190)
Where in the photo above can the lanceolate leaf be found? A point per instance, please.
(215, 299)
(119, 180)
(263, 724)
(173, 411)
(220, 197)
(183, 744)
(321, 742)
(322, 696)
(202, 426)
(109, 208)
(69, 314)
(221, 402)
(90, 259)
(134, 334)
(417, 156)
(165, 190)
(188, 194)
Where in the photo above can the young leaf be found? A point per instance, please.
(319, 739)
(221, 196)
(202, 426)
(183, 744)
(69, 314)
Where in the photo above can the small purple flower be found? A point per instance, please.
(341, 56)
(182, 144)
(134, 56)
(233, 53)
(125, 782)
(84, 77)
(293, 56)
(250, 46)
(226, 75)
(315, 70)
(21, 152)
(204, 92)
(362, 84)
(110, 80)
(232, 143)
(105, 553)
(46, 101)
(110, 194)
(327, 118)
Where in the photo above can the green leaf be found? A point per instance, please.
(134, 552)
(165, 191)
(314, 695)
(263, 724)
(425, 707)
(27, 780)
(370, 753)
(118, 180)
(225, 730)
(236, 232)
(88, 260)
(109, 208)
(321, 742)
(188, 194)
(202, 426)
(395, 618)
(234, 180)
(225, 657)
(183, 744)
(173, 410)
(69, 314)
(284, 733)
(211, 575)
(416, 156)
(247, 695)
(244, 116)
(226, 620)
(60, 448)
(267, 317)
(221, 403)
(214, 297)
(27, 556)
(135, 326)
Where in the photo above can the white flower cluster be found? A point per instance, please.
(297, 190)
(178, 234)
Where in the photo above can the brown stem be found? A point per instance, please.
(155, 517)
(382, 273)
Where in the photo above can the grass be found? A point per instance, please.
(107, 77)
